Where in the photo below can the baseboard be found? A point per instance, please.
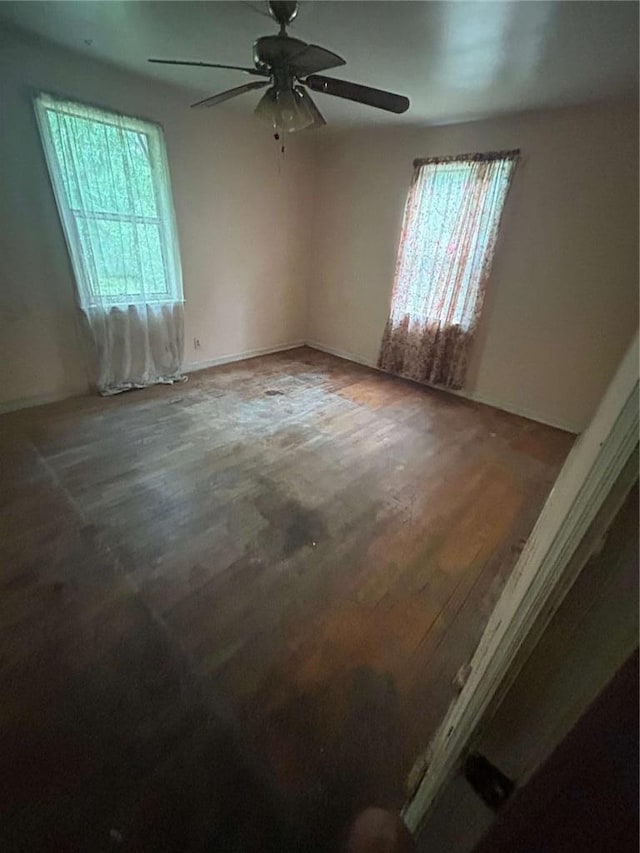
(191, 367)
(43, 399)
(38, 400)
(348, 356)
(521, 412)
(194, 366)
(466, 395)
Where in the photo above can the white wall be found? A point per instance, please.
(274, 252)
(561, 305)
(240, 215)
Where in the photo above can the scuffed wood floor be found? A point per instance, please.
(232, 611)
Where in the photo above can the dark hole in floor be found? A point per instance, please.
(272, 393)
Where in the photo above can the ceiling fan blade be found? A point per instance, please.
(313, 59)
(208, 65)
(355, 92)
(230, 93)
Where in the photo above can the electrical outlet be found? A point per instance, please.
(196, 343)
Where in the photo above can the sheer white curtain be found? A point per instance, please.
(111, 181)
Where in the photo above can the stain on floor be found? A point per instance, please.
(226, 626)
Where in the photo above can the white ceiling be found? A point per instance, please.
(454, 60)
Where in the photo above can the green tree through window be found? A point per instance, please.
(111, 181)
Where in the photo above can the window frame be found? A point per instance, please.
(460, 163)
(70, 216)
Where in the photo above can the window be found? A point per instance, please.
(111, 181)
(448, 236)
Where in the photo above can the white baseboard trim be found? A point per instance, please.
(43, 399)
(466, 395)
(194, 366)
(521, 412)
(39, 400)
(348, 356)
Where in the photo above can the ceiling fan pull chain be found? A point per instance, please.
(279, 138)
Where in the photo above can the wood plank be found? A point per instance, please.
(279, 562)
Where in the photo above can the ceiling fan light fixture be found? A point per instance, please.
(286, 110)
(309, 104)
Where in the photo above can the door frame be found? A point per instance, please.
(542, 576)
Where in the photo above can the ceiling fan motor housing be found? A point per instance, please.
(271, 52)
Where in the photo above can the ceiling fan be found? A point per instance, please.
(289, 65)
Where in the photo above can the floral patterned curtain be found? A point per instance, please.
(448, 237)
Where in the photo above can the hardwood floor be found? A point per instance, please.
(233, 610)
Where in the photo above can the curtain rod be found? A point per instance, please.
(513, 154)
